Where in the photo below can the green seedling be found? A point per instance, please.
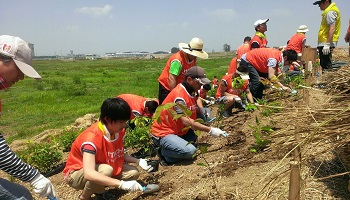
(260, 134)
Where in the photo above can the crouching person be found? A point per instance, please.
(231, 89)
(174, 137)
(97, 157)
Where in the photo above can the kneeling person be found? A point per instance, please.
(231, 88)
(97, 157)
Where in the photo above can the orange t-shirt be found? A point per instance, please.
(261, 41)
(259, 58)
(164, 76)
(136, 103)
(167, 124)
(244, 48)
(233, 66)
(296, 42)
(228, 82)
(109, 152)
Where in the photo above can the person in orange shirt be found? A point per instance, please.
(231, 89)
(97, 158)
(172, 137)
(298, 41)
(178, 64)
(140, 106)
(263, 63)
(239, 52)
(259, 40)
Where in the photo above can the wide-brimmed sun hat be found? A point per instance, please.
(302, 29)
(195, 48)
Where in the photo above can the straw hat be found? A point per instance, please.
(195, 48)
(302, 29)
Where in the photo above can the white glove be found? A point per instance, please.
(207, 101)
(144, 165)
(326, 49)
(43, 186)
(131, 186)
(238, 99)
(216, 132)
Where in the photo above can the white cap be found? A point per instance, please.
(260, 21)
(19, 51)
(302, 29)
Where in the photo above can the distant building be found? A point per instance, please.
(90, 56)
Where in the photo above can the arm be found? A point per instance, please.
(172, 81)
(249, 95)
(330, 33)
(271, 73)
(194, 125)
(13, 165)
(91, 174)
(174, 71)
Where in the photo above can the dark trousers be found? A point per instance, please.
(325, 60)
(162, 93)
(255, 86)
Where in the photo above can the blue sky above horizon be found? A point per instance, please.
(58, 26)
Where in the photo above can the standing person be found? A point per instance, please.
(239, 52)
(15, 62)
(347, 36)
(264, 63)
(97, 157)
(259, 40)
(298, 41)
(329, 32)
(170, 135)
(231, 88)
(178, 64)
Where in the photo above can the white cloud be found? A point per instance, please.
(222, 14)
(95, 11)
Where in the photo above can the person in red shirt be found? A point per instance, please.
(298, 41)
(347, 36)
(259, 40)
(178, 64)
(244, 48)
(263, 63)
(97, 158)
(172, 137)
(231, 89)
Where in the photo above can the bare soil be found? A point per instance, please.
(234, 172)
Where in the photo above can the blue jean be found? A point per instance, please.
(176, 148)
(255, 86)
(13, 191)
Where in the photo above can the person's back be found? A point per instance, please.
(298, 41)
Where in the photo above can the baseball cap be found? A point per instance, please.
(318, 2)
(243, 72)
(260, 21)
(19, 51)
(198, 72)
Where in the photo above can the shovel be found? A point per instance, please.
(150, 188)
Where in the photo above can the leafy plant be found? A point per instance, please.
(67, 138)
(260, 134)
(139, 138)
(251, 107)
(43, 156)
(237, 82)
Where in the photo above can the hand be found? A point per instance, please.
(131, 186)
(43, 186)
(287, 89)
(144, 165)
(216, 132)
(326, 49)
(207, 101)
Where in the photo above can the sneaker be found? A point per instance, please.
(104, 196)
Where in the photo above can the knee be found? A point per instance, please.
(132, 173)
(105, 169)
(189, 151)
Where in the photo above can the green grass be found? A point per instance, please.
(71, 89)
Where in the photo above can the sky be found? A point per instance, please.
(56, 27)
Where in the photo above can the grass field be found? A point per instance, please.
(71, 89)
